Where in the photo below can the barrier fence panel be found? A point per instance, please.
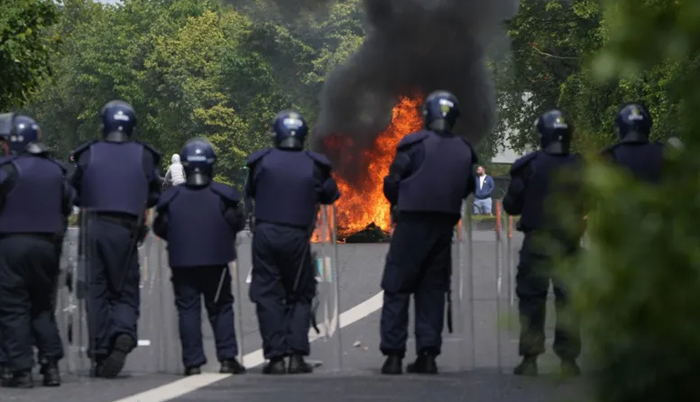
(326, 306)
(462, 292)
(504, 286)
(482, 299)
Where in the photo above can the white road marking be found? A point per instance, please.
(186, 385)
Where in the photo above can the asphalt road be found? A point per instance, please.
(475, 364)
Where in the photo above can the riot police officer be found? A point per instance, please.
(432, 173)
(286, 183)
(634, 152)
(536, 179)
(200, 220)
(36, 200)
(116, 181)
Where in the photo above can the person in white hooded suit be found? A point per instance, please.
(176, 172)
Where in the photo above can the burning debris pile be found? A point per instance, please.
(371, 101)
(371, 234)
(362, 206)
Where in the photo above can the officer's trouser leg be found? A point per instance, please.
(50, 351)
(268, 294)
(298, 311)
(220, 311)
(401, 275)
(45, 329)
(430, 296)
(532, 285)
(189, 309)
(27, 272)
(15, 310)
(114, 285)
(567, 335)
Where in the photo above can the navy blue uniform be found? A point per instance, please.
(642, 159)
(428, 180)
(535, 179)
(36, 201)
(286, 186)
(115, 183)
(200, 225)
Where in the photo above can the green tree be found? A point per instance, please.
(25, 49)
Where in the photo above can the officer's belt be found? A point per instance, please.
(124, 220)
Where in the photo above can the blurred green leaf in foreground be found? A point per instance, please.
(638, 286)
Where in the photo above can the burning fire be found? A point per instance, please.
(363, 203)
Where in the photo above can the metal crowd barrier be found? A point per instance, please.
(483, 302)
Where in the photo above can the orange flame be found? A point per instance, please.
(363, 203)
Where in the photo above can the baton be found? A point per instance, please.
(221, 284)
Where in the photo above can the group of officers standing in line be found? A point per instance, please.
(431, 174)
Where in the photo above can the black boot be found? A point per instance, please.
(275, 366)
(114, 363)
(393, 365)
(424, 364)
(231, 366)
(19, 379)
(52, 376)
(297, 365)
(528, 367)
(192, 371)
(569, 368)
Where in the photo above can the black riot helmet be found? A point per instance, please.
(440, 111)
(290, 130)
(21, 133)
(118, 121)
(554, 130)
(633, 123)
(198, 159)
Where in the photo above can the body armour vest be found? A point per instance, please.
(114, 179)
(198, 234)
(643, 160)
(546, 179)
(285, 190)
(441, 181)
(34, 204)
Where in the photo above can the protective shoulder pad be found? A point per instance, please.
(76, 152)
(225, 191)
(167, 197)
(156, 155)
(320, 159)
(256, 156)
(412, 138)
(522, 162)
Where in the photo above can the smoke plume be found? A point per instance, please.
(413, 46)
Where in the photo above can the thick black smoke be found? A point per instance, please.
(413, 45)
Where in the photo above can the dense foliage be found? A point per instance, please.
(25, 47)
(554, 44)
